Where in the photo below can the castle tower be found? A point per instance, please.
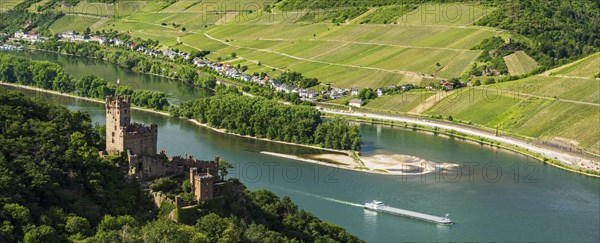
(117, 118)
(122, 135)
(201, 185)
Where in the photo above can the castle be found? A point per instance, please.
(144, 163)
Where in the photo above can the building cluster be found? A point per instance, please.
(229, 71)
(31, 36)
(224, 70)
(379, 92)
(144, 163)
(10, 48)
(72, 36)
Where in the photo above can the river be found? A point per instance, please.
(79, 67)
(495, 195)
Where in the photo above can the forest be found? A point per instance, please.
(54, 187)
(14, 19)
(263, 118)
(562, 31)
(51, 76)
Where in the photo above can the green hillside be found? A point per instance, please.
(352, 43)
(55, 187)
(346, 55)
(379, 43)
(560, 109)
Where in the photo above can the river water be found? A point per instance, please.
(495, 195)
(79, 67)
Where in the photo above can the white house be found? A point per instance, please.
(355, 102)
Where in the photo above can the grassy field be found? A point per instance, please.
(385, 15)
(399, 102)
(117, 10)
(534, 117)
(73, 23)
(6, 5)
(560, 109)
(349, 55)
(455, 14)
(33, 7)
(585, 68)
(394, 45)
(561, 88)
(519, 63)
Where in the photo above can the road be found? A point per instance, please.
(562, 157)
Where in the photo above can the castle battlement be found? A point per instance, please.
(118, 101)
(133, 128)
(140, 142)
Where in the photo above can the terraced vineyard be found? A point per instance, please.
(584, 68)
(561, 109)
(414, 46)
(520, 63)
(5, 5)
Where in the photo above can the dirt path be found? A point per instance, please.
(406, 73)
(368, 43)
(99, 23)
(517, 94)
(429, 102)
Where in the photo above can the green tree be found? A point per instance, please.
(224, 167)
(42, 233)
(76, 225)
(219, 229)
(163, 184)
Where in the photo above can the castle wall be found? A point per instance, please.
(210, 167)
(152, 167)
(142, 140)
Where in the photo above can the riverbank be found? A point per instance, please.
(381, 164)
(550, 156)
(168, 114)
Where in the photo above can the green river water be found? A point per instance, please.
(495, 195)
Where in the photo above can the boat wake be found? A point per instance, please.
(340, 201)
(328, 198)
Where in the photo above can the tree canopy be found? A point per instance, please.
(51, 76)
(54, 187)
(263, 118)
(52, 181)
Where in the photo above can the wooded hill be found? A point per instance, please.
(54, 187)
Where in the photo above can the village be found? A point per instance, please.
(231, 72)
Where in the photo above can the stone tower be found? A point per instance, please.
(201, 185)
(122, 135)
